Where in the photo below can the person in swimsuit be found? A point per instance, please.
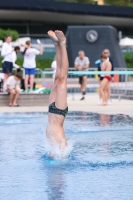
(106, 52)
(106, 66)
(58, 97)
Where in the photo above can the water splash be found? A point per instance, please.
(54, 151)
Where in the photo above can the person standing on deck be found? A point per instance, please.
(14, 57)
(82, 64)
(6, 52)
(106, 52)
(105, 66)
(30, 63)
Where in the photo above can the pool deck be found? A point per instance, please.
(87, 105)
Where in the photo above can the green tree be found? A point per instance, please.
(108, 2)
(4, 32)
(85, 1)
(77, 1)
(119, 2)
(129, 60)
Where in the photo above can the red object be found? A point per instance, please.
(116, 78)
(108, 77)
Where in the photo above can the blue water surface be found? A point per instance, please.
(100, 166)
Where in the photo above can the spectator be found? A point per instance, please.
(105, 66)
(22, 85)
(11, 86)
(14, 56)
(30, 63)
(1, 81)
(106, 52)
(54, 67)
(6, 52)
(100, 77)
(82, 64)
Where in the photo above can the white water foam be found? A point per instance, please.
(56, 151)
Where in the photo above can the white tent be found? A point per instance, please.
(126, 42)
(1, 42)
(20, 41)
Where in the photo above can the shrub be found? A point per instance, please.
(44, 63)
(129, 60)
(3, 34)
(41, 63)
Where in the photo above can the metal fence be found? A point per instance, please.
(39, 73)
(39, 77)
(121, 87)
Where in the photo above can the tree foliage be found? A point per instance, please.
(4, 32)
(77, 1)
(129, 60)
(108, 2)
(119, 2)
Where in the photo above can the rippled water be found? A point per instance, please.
(100, 166)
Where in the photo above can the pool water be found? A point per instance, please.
(100, 166)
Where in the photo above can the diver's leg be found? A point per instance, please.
(61, 98)
(52, 97)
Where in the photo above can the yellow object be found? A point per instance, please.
(100, 2)
(96, 75)
(17, 86)
(38, 85)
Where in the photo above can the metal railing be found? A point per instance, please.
(23, 74)
(39, 77)
(121, 87)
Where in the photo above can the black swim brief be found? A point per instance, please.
(101, 78)
(53, 109)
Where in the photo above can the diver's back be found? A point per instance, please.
(55, 130)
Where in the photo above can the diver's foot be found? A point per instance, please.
(53, 36)
(61, 37)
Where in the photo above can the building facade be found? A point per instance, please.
(35, 18)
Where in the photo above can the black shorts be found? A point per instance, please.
(7, 67)
(81, 79)
(101, 78)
